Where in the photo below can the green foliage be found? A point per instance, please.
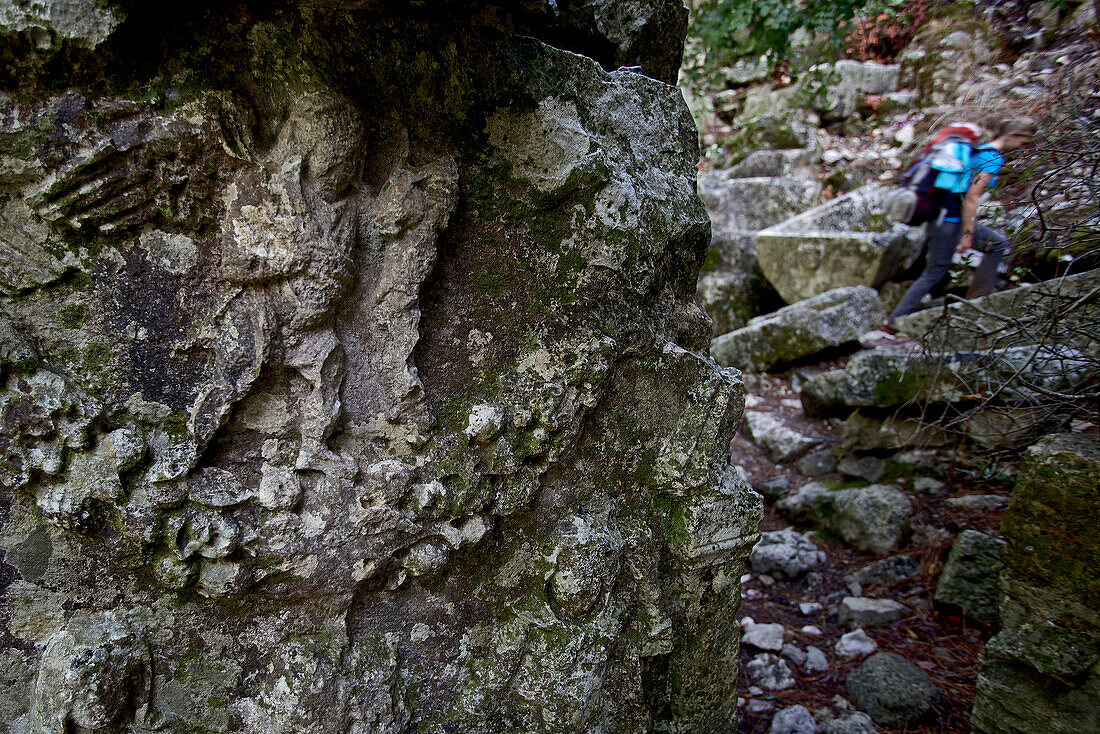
(723, 31)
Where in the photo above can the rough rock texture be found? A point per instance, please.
(888, 571)
(780, 442)
(872, 519)
(848, 722)
(1040, 673)
(866, 433)
(971, 576)
(888, 378)
(785, 554)
(844, 242)
(858, 611)
(976, 325)
(732, 289)
(793, 720)
(828, 320)
(893, 691)
(351, 377)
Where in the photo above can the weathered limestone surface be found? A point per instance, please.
(1041, 672)
(844, 242)
(979, 324)
(808, 327)
(351, 378)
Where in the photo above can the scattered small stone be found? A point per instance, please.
(785, 553)
(758, 706)
(849, 722)
(816, 662)
(770, 672)
(860, 611)
(893, 691)
(978, 502)
(863, 467)
(809, 607)
(811, 629)
(927, 485)
(793, 654)
(756, 691)
(766, 579)
(930, 536)
(764, 636)
(793, 720)
(816, 463)
(855, 644)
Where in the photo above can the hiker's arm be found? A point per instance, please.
(970, 210)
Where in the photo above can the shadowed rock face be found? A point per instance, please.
(352, 378)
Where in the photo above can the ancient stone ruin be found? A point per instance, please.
(352, 378)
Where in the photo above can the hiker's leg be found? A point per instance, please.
(941, 248)
(994, 244)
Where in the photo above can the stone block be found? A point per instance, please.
(844, 242)
(828, 320)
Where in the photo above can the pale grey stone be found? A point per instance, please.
(977, 502)
(832, 246)
(866, 612)
(816, 662)
(870, 468)
(855, 644)
(817, 463)
(849, 722)
(780, 442)
(810, 607)
(793, 720)
(873, 518)
(793, 654)
(889, 571)
(770, 672)
(927, 485)
(763, 636)
(785, 553)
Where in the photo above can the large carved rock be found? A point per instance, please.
(351, 377)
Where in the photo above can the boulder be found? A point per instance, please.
(893, 691)
(351, 365)
(978, 325)
(785, 554)
(872, 519)
(858, 611)
(816, 463)
(1039, 673)
(743, 205)
(835, 89)
(793, 720)
(828, 320)
(870, 468)
(866, 433)
(844, 242)
(971, 576)
(732, 299)
(779, 442)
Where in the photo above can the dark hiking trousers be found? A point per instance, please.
(941, 249)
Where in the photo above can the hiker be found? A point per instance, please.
(961, 175)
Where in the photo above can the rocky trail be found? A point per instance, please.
(815, 609)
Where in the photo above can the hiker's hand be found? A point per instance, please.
(966, 242)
